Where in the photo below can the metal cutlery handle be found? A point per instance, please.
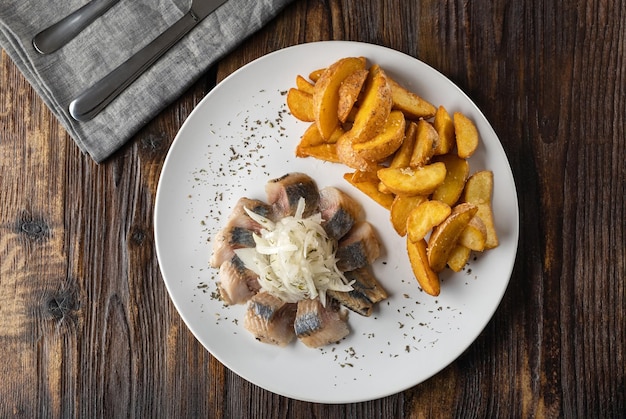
(57, 35)
(98, 96)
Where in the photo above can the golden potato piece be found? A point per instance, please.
(478, 191)
(408, 181)
(373, 109)
(351, 158)
(316, 74)
(401, 208)
(386, 142)
(425, 143)
(326, 93)
(411, 104)
(326, 152)
(304, 85)
(459, 257)
(370, 188)
(474, 237)
(445, 236)
(404, 153)
(425, 275)
(349, 91)
(445, 129)
(466, 135)
(425, 217)
(457, 172)
(312, 137)
(300, 104)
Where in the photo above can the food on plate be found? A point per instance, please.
(479, 191)
(418, 257)
(444, 125)
(298, 261)
(411, 104)
(413, 181)
(424, 217)
(326, 93)
(445, 236)
(300, 104)
(466, 135)
(408, 155)
(401, 208)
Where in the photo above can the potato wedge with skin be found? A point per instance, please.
(474, 237)
(423, 218)
(300, 104)
(349, 91)
(326, 152)
(304, 85)
(404, 153)
(374, 108)
(386, 142)
(425, 275)
(312, 137)
(316, 74)
(457, 172)
(425, 143)
(326, 93)
(445, 236)
(401, 207)
(351, 158)
(370, 188)
(466, 135)
(459, 257)
(479, 191)
(412, 105)
(408, 181)
(445, 129)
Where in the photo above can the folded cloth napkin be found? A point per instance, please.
(124, 29)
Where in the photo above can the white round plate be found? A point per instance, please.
(240, 136)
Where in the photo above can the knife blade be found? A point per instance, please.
(94, 99)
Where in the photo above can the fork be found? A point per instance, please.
(57, 35)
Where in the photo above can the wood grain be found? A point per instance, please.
(86, 325)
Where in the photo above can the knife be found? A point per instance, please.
(93, 100)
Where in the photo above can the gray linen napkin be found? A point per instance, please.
(131, 24)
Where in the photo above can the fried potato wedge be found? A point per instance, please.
(425, 144)
(423, 218)
(479, 191)
(374, 108)
(445, 236)
(401, 208)
(386, 142)
(316, 74)
(349, 91)
(351, 158)
(300, 104)
(326, 93)
(445, 129)
(408, 181)
(304, 85)
(457, 172)
(370, 188)
(326, 152)
(412, 105)
(312, 137)
(459, 257)
(403, 155)
(474, 236)
(466, 135)
(425, 275)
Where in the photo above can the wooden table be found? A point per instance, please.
(86, 325)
